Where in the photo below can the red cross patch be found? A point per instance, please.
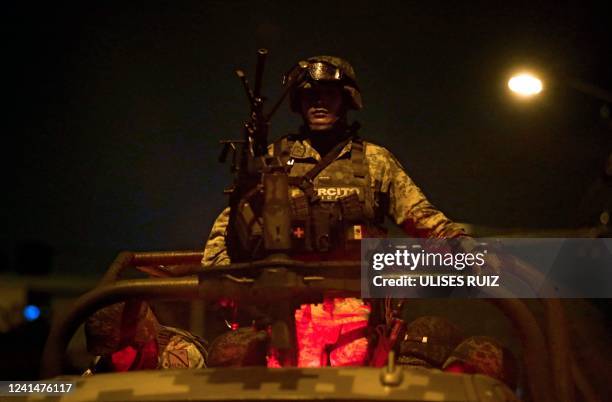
(298, 232)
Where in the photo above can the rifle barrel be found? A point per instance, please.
(259, 69)
(245, 85)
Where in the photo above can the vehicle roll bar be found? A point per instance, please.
(546, 383)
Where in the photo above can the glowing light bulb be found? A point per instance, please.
(525, 84)
(31, 312)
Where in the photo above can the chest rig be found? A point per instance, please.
(332, 203)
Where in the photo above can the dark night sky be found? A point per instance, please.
(116, 110)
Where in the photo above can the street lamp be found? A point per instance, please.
(528, 84)
(525, 84)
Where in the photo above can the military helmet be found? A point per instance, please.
(483, 355)
(104, 330)
(238, 348)
(429, 340)
(319, 69)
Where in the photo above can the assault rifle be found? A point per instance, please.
(259, 222)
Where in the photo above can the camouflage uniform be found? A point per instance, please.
(319, 328)
(361, 168)
(133, 339)
(389, 188)
(428, 342)
(407, 205)
(484, 355)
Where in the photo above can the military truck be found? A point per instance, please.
(549, 374)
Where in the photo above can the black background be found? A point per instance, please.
(115, 111)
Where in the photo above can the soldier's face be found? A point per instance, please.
(322, 106)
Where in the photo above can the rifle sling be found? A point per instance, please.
(305, 182)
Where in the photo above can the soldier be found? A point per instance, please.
(483, 355)
(357, 184)
(128, 337)
(429, 341)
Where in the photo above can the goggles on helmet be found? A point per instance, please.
(320, 71)
(317, 71)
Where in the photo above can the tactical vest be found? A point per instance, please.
(330, 212)
(339, 208)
